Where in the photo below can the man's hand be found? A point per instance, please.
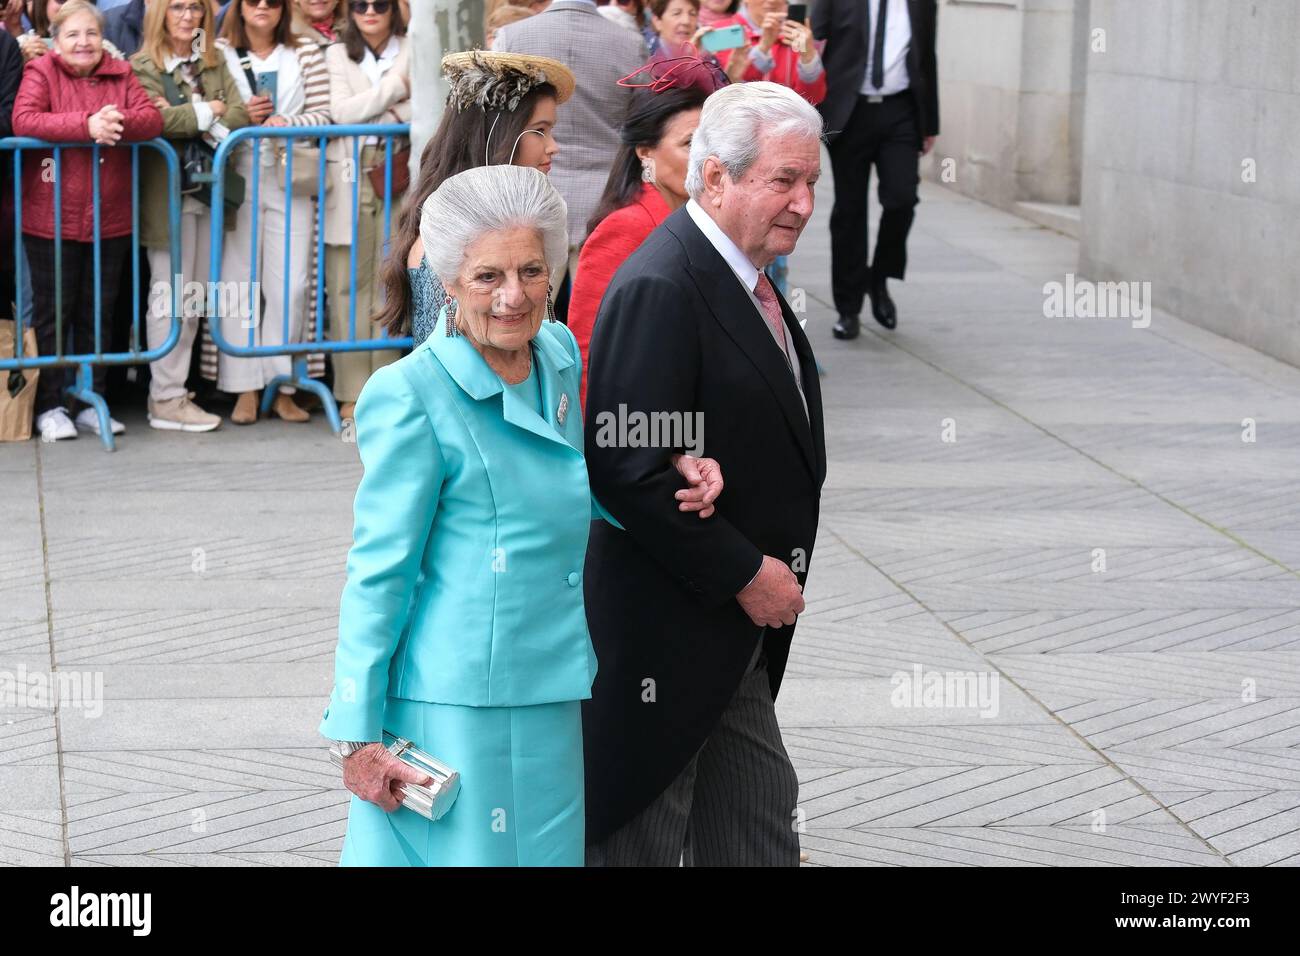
(375, 775)
(705, 477)
(927, 144)
(774, 597)
(218, 108)
(105, 126)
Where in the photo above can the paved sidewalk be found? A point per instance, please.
(1147, 713)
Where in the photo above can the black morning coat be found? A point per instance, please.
(848, 27)
(676, 332)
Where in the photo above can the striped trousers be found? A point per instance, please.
(732, 805)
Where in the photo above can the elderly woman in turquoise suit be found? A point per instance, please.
(461, 625)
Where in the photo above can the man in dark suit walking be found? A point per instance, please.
(692, 620)
(881, 109)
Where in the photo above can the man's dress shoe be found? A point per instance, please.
(846, 328)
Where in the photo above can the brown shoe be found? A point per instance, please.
(347, 410)
(245, 412)
(285, 407)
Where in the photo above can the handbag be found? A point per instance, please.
(401, 173)
(306, 157)
(18, 386)
(197, 161)
(431, 801)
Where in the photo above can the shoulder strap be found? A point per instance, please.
(247, 64)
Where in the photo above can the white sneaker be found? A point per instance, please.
(55, 425)
(89, 420)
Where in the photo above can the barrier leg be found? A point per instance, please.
(300, 379)
(84, 390)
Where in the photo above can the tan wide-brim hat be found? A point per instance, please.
(541, 68)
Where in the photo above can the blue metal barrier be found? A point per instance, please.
(83, 388)
(320, 135)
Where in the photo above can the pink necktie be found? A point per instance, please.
(766, 296)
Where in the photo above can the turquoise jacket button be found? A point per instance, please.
(573, 579)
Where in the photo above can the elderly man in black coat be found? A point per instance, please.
(694, 350)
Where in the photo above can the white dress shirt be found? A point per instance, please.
(898, 37)
(747, 273)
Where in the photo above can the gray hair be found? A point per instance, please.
(487, 199)
(734, 121)
(70, 10)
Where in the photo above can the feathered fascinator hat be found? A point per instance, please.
(498, 81)
(682, 68)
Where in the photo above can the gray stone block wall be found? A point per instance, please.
(1187, 95)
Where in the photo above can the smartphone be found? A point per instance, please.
(798, 12)
(724, 38)
(267, 86)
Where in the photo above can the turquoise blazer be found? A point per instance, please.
(465, 573)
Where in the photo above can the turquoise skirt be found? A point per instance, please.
(521, 790)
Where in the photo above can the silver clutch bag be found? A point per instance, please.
(430, 801)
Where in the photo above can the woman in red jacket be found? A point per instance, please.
(780, 50)
(647, 183)
(77, 93)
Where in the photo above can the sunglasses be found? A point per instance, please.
(378, 6)
(269, 4)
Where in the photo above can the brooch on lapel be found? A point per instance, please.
(562, 412)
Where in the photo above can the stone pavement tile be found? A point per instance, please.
(1005, 846)
(22, 640)
(1228, 562)
(876, 530)
(1101, 592)
(820, 751)
(1262, 831)
(1167, 675)
(976, 796)
(1096, 630)
(210, 821)
(293, 859)
(869, 701)
(1212, 769)
(30, 815)
(215, 636)
(94, 776)
(202, 723)
(211, 680)
(194, 593)
(858, 649)
(27, 738)
(1136, 724)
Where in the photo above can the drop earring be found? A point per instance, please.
(647, 174)
(452, 331)
(550, 305)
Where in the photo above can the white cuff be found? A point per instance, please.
(203, 115)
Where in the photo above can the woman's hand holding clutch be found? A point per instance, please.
(705, 478)
(375, 775)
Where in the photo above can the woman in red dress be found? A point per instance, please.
(648, 182)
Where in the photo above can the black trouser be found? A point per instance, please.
(78, 307)
(883, 134)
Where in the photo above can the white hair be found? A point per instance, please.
(737, 118)
(488, 199)
(70, 10)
